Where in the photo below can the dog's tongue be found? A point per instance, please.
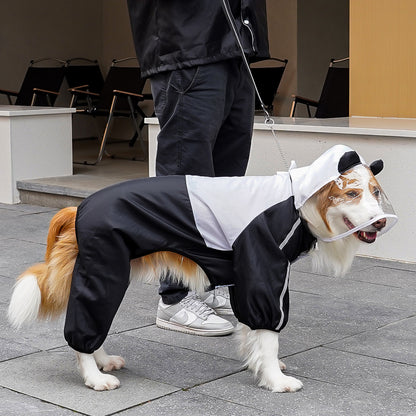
(366, 236)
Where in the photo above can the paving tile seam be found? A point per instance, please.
(21, 356)
(356, 301)
(413, 315)
(135, 406)
(126, 331)
(361, 354)
(26, 214)
(346, 337)
(231, 373)
(342, 338)
(304, 292)
(6, 277)
(313, 274)
(368, 356)
(376, 284)
(234, 402)
(45, 401)
(398, 265)
(352, 279)
(350, 386)
(26, 241)
(183, 347)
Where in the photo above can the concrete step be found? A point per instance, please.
(62, 191)
(40, 192)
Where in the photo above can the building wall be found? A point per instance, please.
(46, 28)
(383, 58)
(100, 29)
(323, 33)
(116, 33)
(282, 25)
(308, 33)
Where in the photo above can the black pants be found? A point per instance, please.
(206, 120)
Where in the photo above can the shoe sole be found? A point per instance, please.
(172, 326)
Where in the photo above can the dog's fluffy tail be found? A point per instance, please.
(42, 291)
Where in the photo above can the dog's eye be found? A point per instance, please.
(376, 192)
(352, 194)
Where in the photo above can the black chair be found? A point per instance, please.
(267, 76)
(83, 74)
(41, 84)
(120, 97)
(334, 99)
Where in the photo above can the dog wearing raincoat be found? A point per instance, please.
(243, 232)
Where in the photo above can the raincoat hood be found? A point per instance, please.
(329, 167)
(309, 179)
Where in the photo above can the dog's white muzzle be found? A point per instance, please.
(381, 219)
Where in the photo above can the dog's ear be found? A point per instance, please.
(348, 161)
(377, 166)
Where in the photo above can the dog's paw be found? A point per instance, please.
(282, 365)
(102, 382)
(111, 362)
(283, 384)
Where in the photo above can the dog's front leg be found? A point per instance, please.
(260, 350)
(92, 376)
(107, 362)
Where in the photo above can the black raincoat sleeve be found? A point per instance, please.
(260, 297)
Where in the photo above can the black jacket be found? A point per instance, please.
(173, 34)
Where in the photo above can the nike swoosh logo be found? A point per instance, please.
(184, 315)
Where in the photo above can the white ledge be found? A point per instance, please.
(21, 110)
(369, 126)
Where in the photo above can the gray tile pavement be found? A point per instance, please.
(352, 342)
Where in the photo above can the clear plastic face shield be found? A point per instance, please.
(357, 204)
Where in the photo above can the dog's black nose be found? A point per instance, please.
(379, 224)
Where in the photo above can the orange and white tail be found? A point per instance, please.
(42, 291)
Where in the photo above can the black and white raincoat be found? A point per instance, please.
(242, 231)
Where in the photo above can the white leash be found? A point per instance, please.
(268, 121)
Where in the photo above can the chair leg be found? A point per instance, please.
(106, 131)
(293, 109)
(141, 125)
(32, 103)
(137, 128)
(105, 136)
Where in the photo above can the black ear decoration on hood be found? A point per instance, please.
(377, 166)
(348, 160)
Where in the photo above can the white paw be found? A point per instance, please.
(284, 384)
(282, 365)
(112, 362)
(102, 382)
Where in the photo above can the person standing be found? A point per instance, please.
(204, 101)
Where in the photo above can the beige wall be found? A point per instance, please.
(46, 28)
(282, 15)
(308, 33)
(323, 33)
(383, 58)
(94, 29)
(116, 33)
(100, 29)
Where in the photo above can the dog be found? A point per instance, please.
(205, 231)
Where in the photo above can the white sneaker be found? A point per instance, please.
(219, 300)
(192, 316)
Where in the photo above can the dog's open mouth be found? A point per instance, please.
(365, 236)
